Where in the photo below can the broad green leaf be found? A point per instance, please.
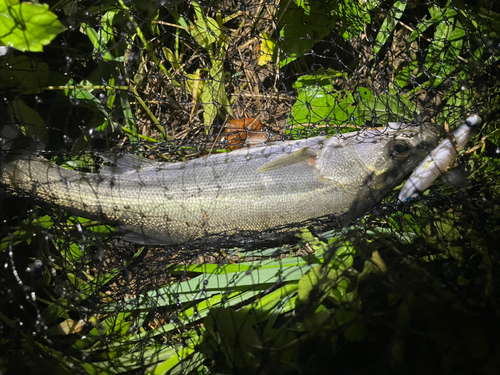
(29, 120)
(389, 25)
(355, 328)
(437, 16)
(106, 33)
(326, 280)
(238, 339)
(321, 282)
(458, 96)
(264, 306)
(26, 74)
(354, 18)
(81, 93)
(317, 103)
(27, 26)
(404, 73)
(304, 24)
(442, 55)
(387, 108)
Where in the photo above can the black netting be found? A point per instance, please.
(397, 287)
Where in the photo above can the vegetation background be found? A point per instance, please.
(408, 288)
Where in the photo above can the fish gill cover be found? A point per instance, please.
(407, 287)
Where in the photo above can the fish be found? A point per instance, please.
(268, 187)
(438, 161)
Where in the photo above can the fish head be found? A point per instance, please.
(377, 160)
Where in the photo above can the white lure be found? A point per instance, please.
(439, 160)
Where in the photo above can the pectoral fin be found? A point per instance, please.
(289, 159)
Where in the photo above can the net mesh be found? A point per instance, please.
(406, 288)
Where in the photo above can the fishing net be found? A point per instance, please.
(406, 288)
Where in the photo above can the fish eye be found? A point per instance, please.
(398, 150)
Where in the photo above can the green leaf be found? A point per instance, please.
(386, 108)
(206, 30)
(442, 55)
(213, 94)
(117, 325)
(30, 122)
(353, 17)
(26, 74)
(327, 280)
(404, 73)
(106, 33)
(26, 26)
(389, 25)
(99, 43)
(318, 103)
(28, 229)
(437, 15)
(235, 335)
(305, 24)
(128, 113)
(82, 92)
(170, 57)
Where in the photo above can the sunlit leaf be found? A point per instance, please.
(389, 25)
(266, 49)
(27, 26)
(213, 94)
(304, 24)
(437, 16)
(442, 54)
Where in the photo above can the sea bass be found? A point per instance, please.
(248, 190)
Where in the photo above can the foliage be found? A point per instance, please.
(27, 26)
(420, 280)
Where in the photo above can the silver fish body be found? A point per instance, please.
(248, 190)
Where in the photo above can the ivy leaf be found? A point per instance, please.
(26, 26)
